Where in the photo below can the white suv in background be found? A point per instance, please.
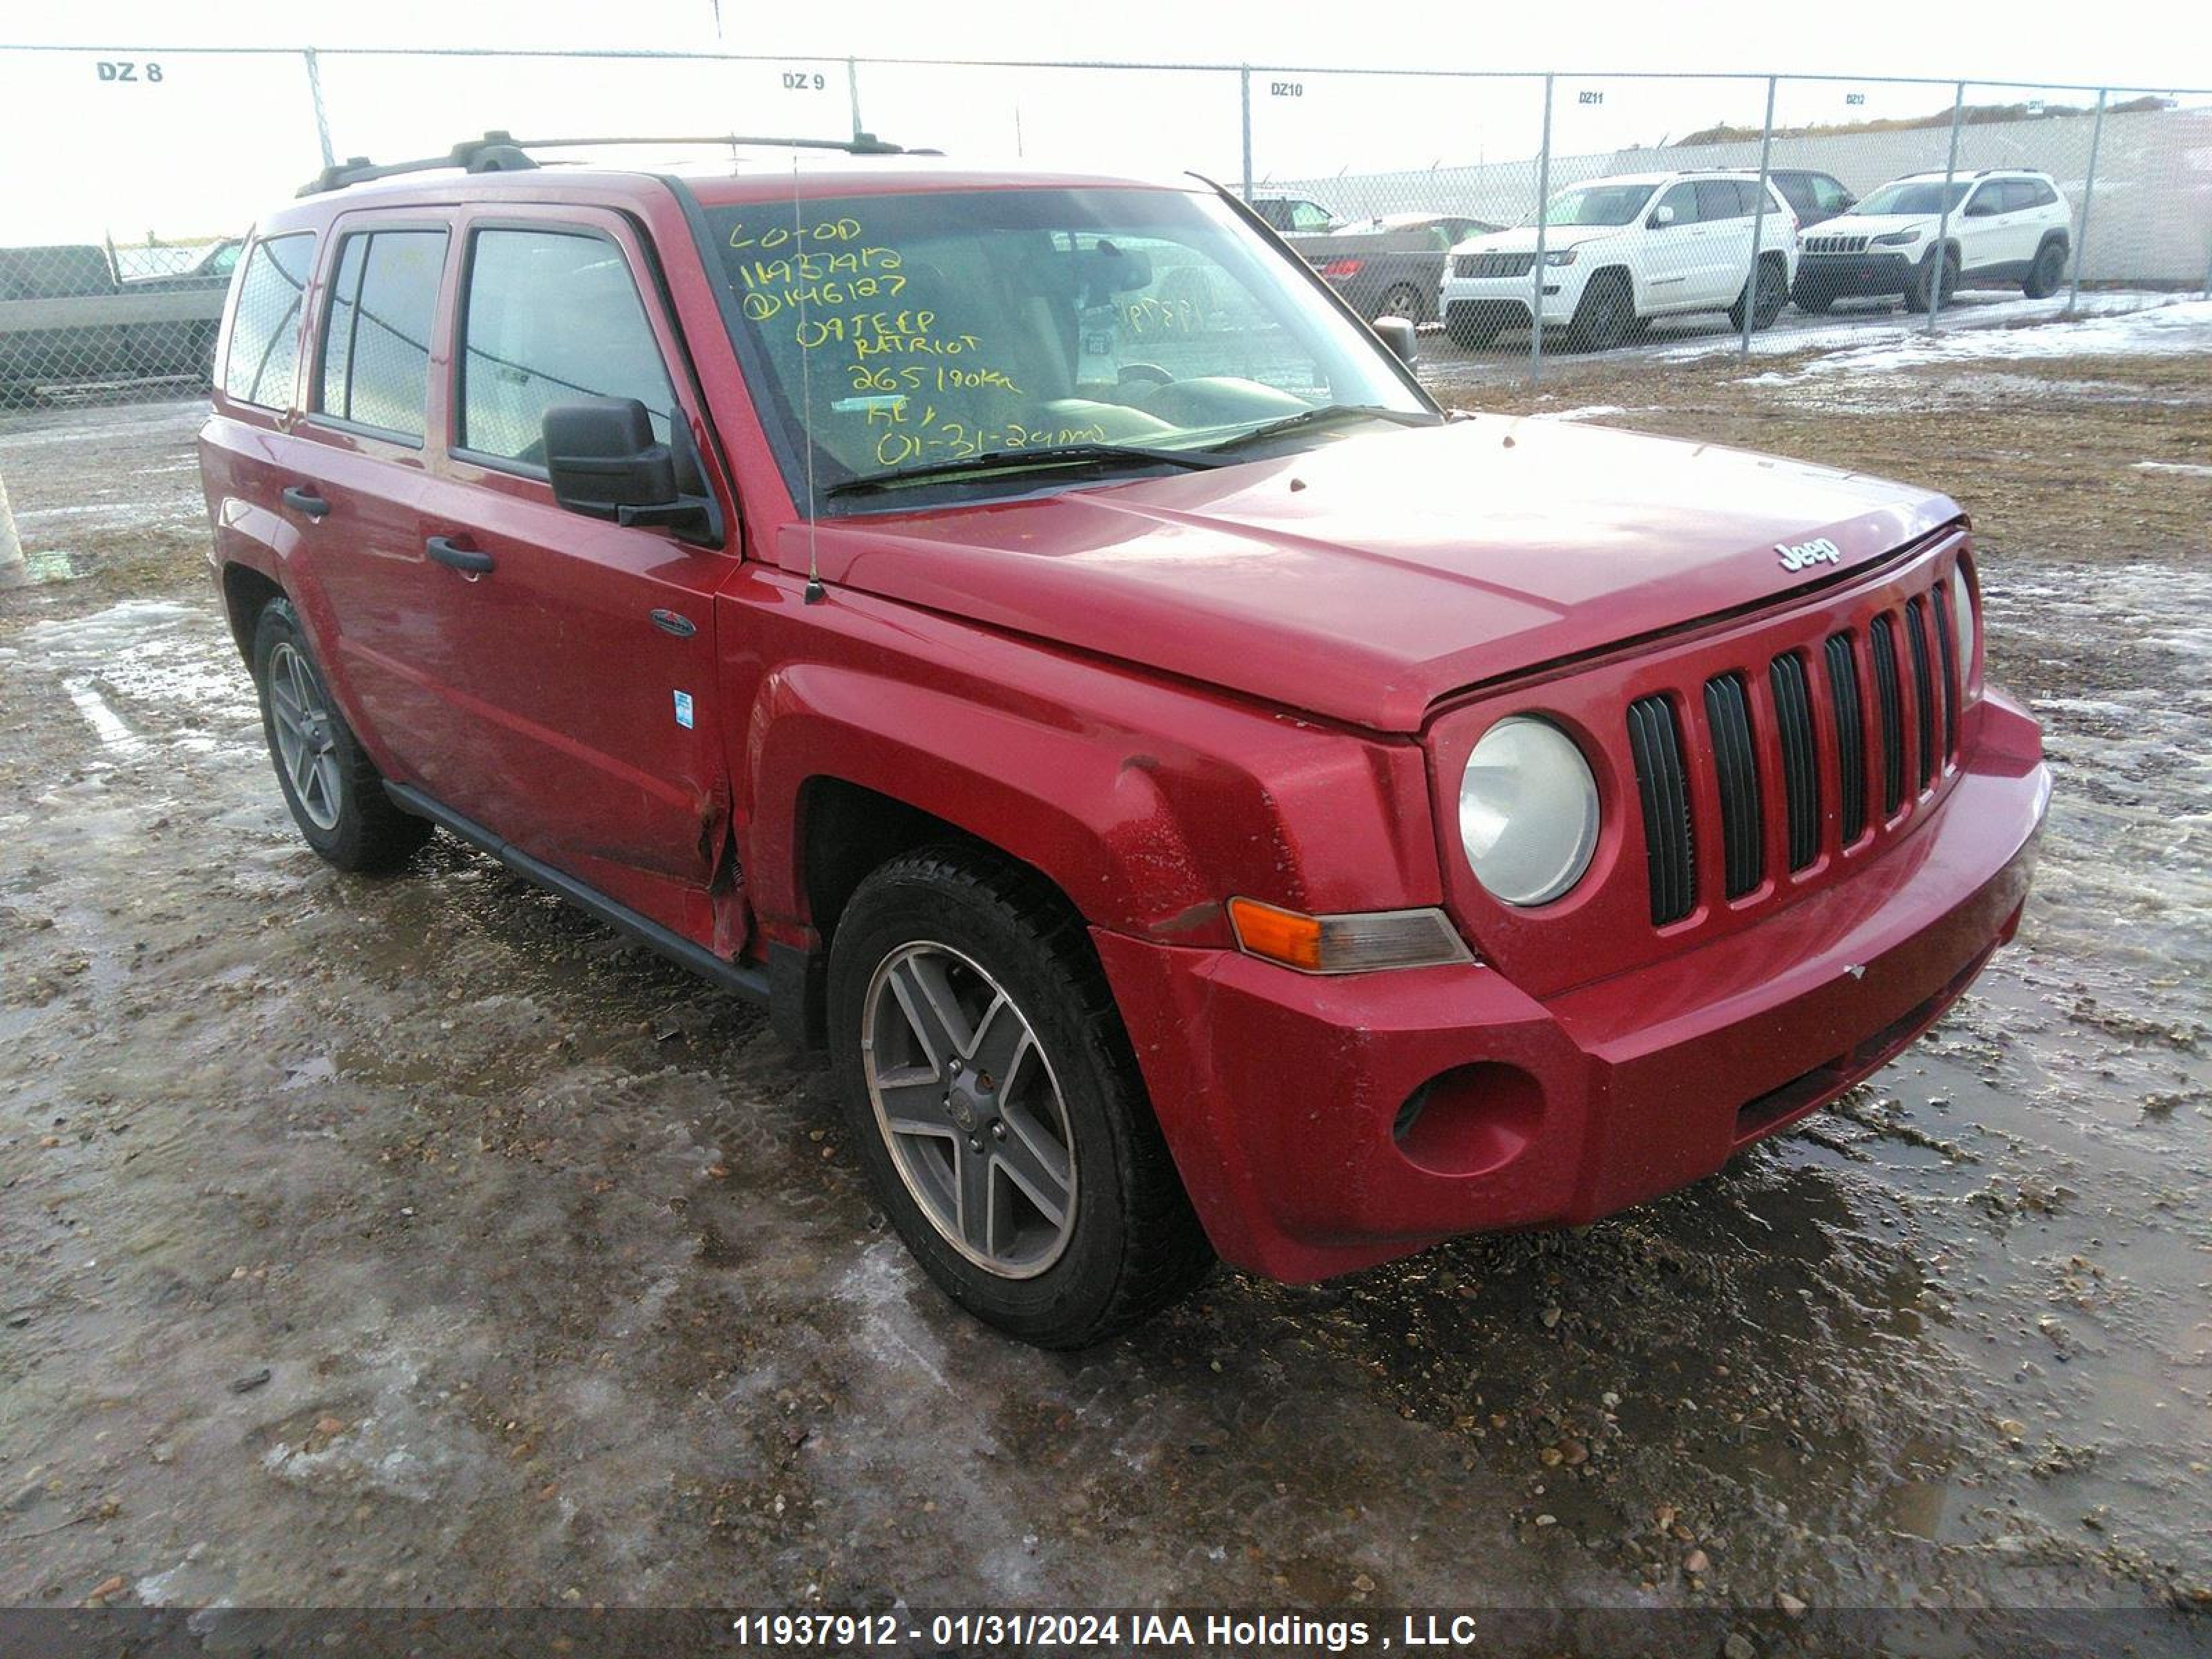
(1619, 252)
(2006, 227)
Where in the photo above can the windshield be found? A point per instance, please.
(1909, 197)
(901, 332)
(1598, 205)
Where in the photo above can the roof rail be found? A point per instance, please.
(501, 152)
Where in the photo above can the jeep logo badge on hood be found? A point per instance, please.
(1796, 558)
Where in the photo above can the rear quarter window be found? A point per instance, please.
(262, 364)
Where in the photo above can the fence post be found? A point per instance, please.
(1939, 252)
(1758, 222)
(852, 94)
(2089, 194)
(1244, 96)
(1536, 276)
(322, 115)
(13, 571)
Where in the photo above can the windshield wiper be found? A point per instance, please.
(1325, 413)
(1040, 455)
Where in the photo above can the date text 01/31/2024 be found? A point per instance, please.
(1129, 1632)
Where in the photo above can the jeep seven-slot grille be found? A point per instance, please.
(1743, 830)
(1876, 692)
(1833, 244)
(1494, 264)
(1654, 743)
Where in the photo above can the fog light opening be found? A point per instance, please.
(1469, 1121)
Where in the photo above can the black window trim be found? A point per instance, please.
(252, 247)
(458, 340)
(346, 230)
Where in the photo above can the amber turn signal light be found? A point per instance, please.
(1351, 943)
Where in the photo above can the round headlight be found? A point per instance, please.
(1527, 812)
(1962, 620)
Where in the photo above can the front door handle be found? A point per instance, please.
(466, 559)
(302, 499)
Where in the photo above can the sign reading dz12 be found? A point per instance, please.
(123, 69)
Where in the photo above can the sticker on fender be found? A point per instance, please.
(684, 709)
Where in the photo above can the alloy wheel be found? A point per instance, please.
(967, 1101)
(306, 739)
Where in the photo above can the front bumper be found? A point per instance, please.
(1281, 1096)
(1841, 275)
(1507, 298)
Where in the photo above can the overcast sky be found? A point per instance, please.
(214, 140)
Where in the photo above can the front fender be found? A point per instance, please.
(1147, 804)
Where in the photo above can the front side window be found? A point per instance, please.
(553, 317)
(1310, 215)
(265, 331)
(1682, 200)
(1833, 196)
(893, 334)
(376, 337)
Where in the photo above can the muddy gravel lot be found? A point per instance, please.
(419, 1242)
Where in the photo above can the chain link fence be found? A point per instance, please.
(130, 177)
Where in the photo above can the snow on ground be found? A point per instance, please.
(2115, 326)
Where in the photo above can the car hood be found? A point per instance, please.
(1521, 239)
(1878, 224)
(1366, 579)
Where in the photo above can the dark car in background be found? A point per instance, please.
(1811, 196)
(65, 317)
(1295, 216)
(1391, 265)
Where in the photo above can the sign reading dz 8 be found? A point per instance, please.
(123, 69)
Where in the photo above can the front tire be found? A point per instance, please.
(335, 792)
(1917, 298)
(2048, 271)
(996, 1103)
(1605, 315)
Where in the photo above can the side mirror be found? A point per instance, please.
(1662, 217)
(1397, 334)
(603, 461)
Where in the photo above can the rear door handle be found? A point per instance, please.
(302, 498)
(466, 559)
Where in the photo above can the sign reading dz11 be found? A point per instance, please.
(123, 69)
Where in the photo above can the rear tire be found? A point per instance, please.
(335, 793)
(1031, 1181)
(1605, 314)
(1772, 281)
(1403, 300)
(2048, 271)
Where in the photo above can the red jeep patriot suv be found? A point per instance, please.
(1026, 631)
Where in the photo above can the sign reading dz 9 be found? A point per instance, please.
(120, 69)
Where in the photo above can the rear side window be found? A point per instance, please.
(1723, 198)
(265, 332)
(553, 317)
(376, 337)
